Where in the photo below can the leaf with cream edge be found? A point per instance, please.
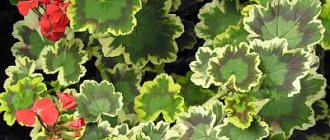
(151, 130)
(234, 35)
(258, 130)
(159, 96)
(320, 108)
(100, 17)
(144, 43)
(24, 67)
(192, 94)
(235, 67)
(175, 5)
(20, 96)
(31, 42)
(187, 40)
(281, 68)
(325, 18)
(99, 130)
(240, 110)
(127, 81)
(67, 58)
(286, 114)
(214, 18)
(199, 67)
(261, 2)
(303, 28)
(197, 123)
(98, 99)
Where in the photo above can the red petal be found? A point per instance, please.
(77, 123)
(67, 100)
(55, 36)
(45, 25)
(34, 3)
(52, 8)
(23, 7)
(45, 1)
(25, 116)
(47, 110)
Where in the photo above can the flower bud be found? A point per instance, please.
(67, 101)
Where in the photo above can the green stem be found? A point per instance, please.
(217, 96)
(42, 124)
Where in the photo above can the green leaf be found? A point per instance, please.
(120, 131)
(20, 96)
(14, 2)
(96, 131)
(100, 17)
(152, 131)
(320, 108)
(31, 42)
(234, 35)
(264, 3)
(257, 131)
(217, 109)
(320, 131)
(216, 17)
(192, 94)
(159, 96)
(103, 64)
(325, 17)
(236, 67)
(302, 29)
(175, 5)
(24, 67)
(240, 110)
(289, 113)
(282, 68)
(38, 133)
(187, 40)
(66, 58)
(144, 43)
(97, 99)
(197, 123)
(199, 67)
(127, 81)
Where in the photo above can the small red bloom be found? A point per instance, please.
(67, 100)
(25, 6)
(77, 123)
(25, 116)
(49, 30)
(46, 110)
(57, 13)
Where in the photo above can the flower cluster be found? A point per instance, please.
(53, 21)
(47, 113)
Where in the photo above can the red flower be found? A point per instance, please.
(25, 116)
(45, 1)
(67, 100)
(57, 13)
(25, 6)
(77, 123)
(46, 110)
(49, 1)
(49, 30)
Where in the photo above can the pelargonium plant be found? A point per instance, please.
(169, 69)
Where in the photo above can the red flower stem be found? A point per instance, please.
(42, 124)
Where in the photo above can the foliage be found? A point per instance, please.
(169, 69)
